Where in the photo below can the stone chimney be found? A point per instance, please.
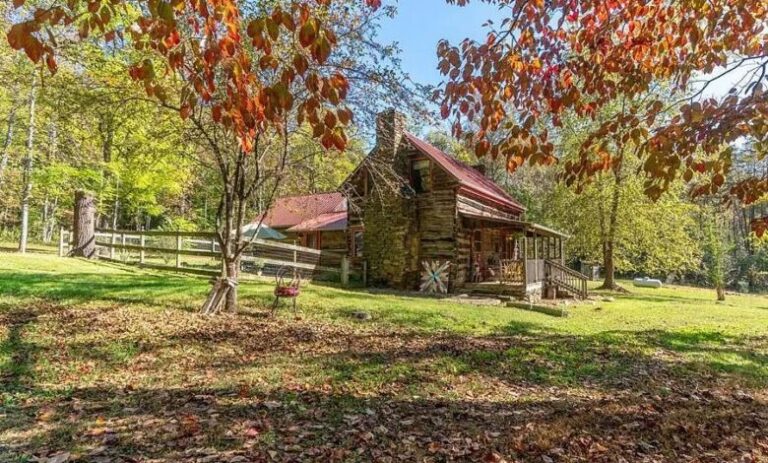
(390, 126)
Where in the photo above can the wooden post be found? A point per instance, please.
(142, 243)
(178, 249)
(122, 243)
(83, 229)
(365, 273)
(62, 237)
(213, 244)
(524, 254)
(344, 270)
(536, 256)
(295, 256)
(562, 250)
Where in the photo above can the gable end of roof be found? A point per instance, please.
(467, 176)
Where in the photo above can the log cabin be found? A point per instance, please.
(409, 202)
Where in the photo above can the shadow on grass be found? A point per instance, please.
(206, 424)
(19, 355)
(608, 362)
(367, 394)
(88, 287)
(519, 352)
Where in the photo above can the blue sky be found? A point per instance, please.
(420, 24)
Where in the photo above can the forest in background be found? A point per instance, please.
(91, 127)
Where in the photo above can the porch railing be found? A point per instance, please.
(512, 272)
(557, 274)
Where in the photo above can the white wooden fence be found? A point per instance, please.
(199, 253)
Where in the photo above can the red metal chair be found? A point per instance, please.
(288, 289)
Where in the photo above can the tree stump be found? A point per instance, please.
(83, 229)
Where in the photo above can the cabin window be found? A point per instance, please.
(420, 175)
(357, 244)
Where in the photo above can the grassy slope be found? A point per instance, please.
(76, 335)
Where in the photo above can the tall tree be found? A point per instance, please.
(551, 58)
(5, 153)
(716, 255)
(26, 195)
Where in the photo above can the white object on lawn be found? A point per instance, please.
(647, 282)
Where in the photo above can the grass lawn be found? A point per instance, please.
(102, 362)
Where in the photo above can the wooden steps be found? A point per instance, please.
(495, 289)
(561, 277)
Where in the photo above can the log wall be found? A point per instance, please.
(437, 218)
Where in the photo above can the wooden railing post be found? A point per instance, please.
(142, 244)
(344, 270)
(122, 243)
(112, 243)
(178, 249)
(524, 256)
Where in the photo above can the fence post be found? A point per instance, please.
(365, 273)
(178, 249)
(295, 257)
(61, 241)
(344, 270)
(123, 252)
(112, 242)
(142, 242)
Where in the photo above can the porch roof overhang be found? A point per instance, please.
(527, 227)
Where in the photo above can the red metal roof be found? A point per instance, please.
(468, 177)
(290, 211)
(334, 221)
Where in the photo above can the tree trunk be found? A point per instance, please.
(609, 282)
(232, 273)
(46, 212)
(50, 223)
(7, 144)
(84, 238)
(720, 293)
(116, 210)
(26, 195)
(4, 218)
(609, 242)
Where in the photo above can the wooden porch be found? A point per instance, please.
(513, 258)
